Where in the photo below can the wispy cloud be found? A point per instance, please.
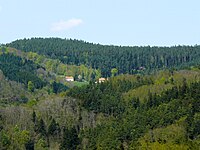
(65, 25)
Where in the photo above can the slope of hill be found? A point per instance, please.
(149, 119)
(55, 66)
(15, 66)
(140, 111)
(126, 59)
(100, 116)
(11, 91)
(17, 69)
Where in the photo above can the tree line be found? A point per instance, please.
(103, 57)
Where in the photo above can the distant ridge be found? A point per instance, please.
(126, 59)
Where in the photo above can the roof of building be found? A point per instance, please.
(102, 79)
(69, 77)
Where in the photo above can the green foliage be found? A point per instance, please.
(50, 66)
(20, 70)
(80, 84)
(4, 140)
(106, 97)
(114, 71)
(58, 87)
(173, 134)
(30, 86)
(127, 59)
(40, 127)
(31, 103)
(41, 144)
(17, 139)
(54, 128)
(70, 139)
(159, 111)
(12, 92)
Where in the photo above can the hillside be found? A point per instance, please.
(55, 66)
(19, 73)
(102, 116)
(148, 119)
(11, 91)
(126, 59)
(149, 108)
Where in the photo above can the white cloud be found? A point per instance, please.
(65, 25)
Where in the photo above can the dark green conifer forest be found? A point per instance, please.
(126, 59)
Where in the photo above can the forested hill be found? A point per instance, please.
(126, 112)
(125, 59)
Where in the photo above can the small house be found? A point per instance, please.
(102, 80)
(69, 78)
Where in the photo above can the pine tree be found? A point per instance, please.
(70, 139)
(40, 127)
(53, 128)
(34, 117)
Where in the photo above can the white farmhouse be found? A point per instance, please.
(69, 78)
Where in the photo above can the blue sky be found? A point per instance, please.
(112, 22)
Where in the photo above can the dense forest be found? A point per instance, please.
(169, 120)
(105, 116)
(27, 73)
(150, 100)
(17, 69)
(54, 66)
(126, 59)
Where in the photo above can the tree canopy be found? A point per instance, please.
(103, 57)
